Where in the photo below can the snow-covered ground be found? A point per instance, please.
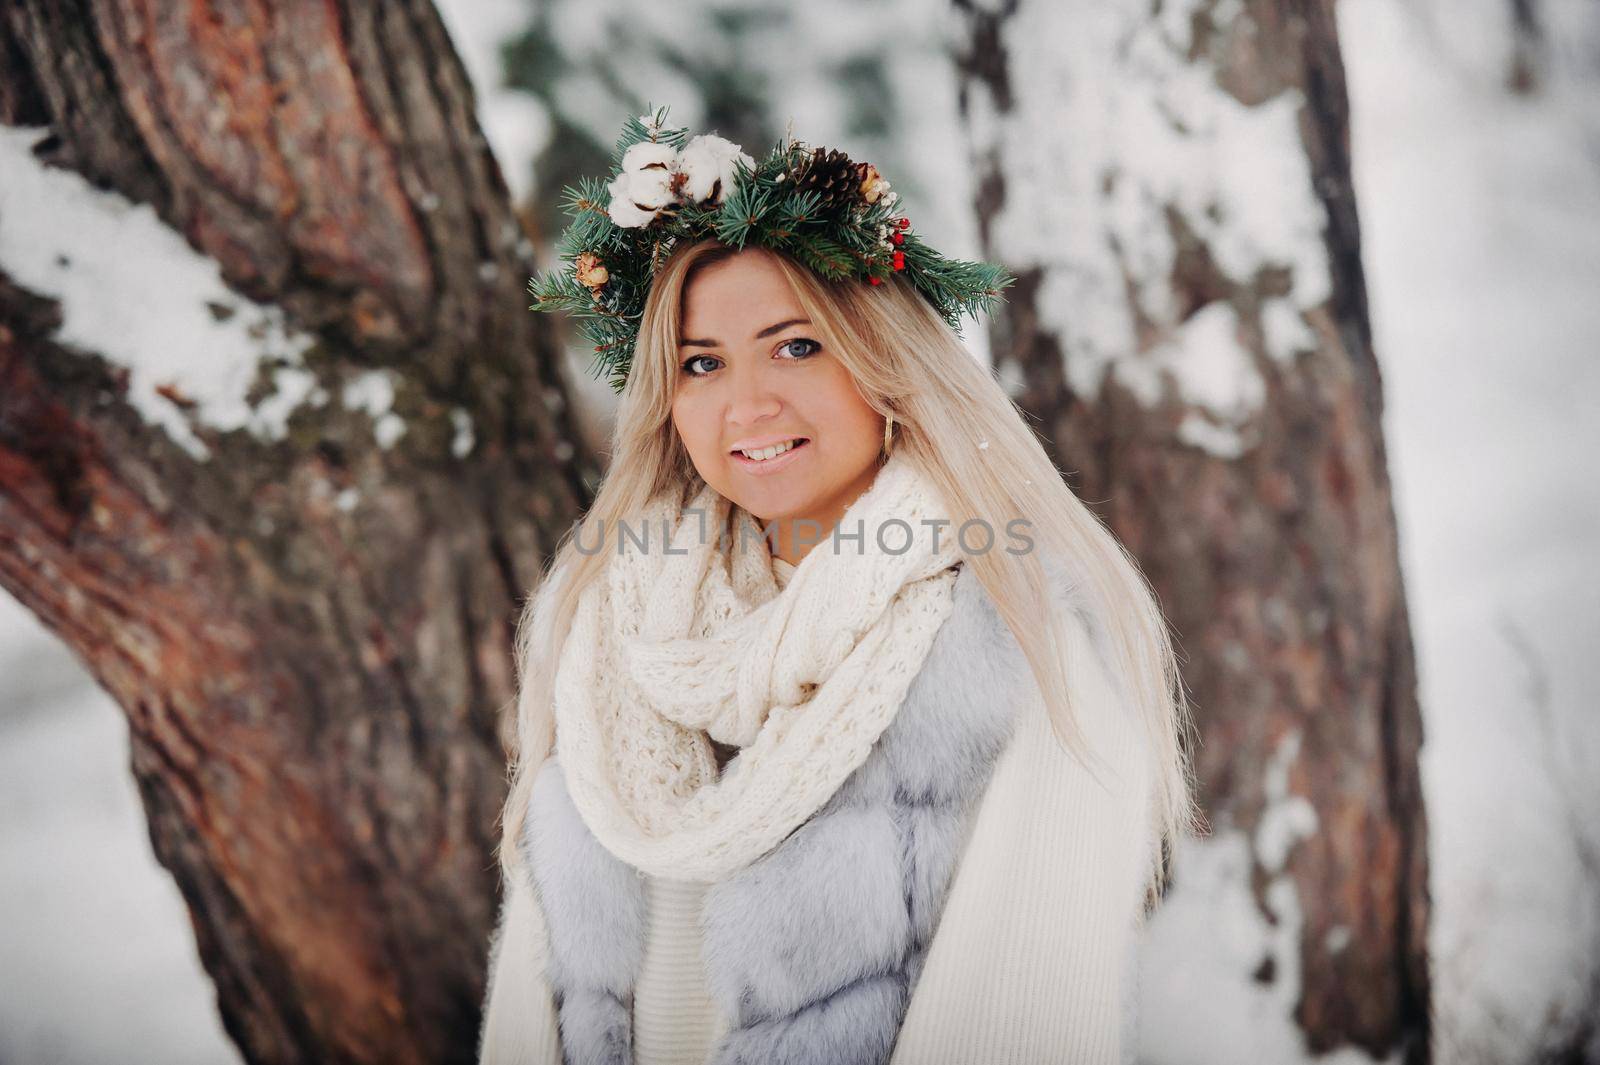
(1481, 216)
(97, 958)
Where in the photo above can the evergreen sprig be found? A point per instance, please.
(840, 241)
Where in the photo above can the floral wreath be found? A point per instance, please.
(834, 215)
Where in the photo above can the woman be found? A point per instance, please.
(846, 733)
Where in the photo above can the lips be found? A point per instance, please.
(772, 465)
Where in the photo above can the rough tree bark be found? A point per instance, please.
(1172, 183)
(310, 633)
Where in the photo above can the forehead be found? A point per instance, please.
(734, 298)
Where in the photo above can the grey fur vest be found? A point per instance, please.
(812, 952)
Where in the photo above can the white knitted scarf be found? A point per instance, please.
(686, 638)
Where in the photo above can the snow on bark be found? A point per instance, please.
(132, 290)
(1138, 148)
(1288, 817)
(373, 392)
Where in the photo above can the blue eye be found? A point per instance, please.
(689, 362)
(815, 347)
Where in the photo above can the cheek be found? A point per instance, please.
(840, 408)
(690, 424)
(684, 421)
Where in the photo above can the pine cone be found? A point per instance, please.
(830, 172)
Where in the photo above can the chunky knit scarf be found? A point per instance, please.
(814, 950)
(687, 639)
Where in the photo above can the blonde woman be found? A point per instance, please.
(845, 733)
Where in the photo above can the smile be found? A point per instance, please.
(770, 459)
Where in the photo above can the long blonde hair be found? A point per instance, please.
(906, 361)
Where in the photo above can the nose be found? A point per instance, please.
(751, 401)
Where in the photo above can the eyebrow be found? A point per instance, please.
(768, 331)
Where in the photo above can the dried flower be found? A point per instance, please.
(873, 186)
(591, 272)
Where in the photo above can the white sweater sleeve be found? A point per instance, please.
(519, 1015)
(1029, 963)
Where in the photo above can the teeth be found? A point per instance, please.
(770, 452)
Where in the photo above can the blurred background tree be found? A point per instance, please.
(1173, 186)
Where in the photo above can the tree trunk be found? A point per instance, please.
(309, 624)
(1172, 184)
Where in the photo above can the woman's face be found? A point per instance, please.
(751, 375)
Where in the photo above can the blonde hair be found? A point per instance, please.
(908, 363)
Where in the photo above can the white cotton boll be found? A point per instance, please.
(706, 161)
(651, 189)
(623, 211)
(646, 154)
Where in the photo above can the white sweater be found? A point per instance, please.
(1034, 958)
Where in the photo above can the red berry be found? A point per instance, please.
(903, 223)
(899, 260)
(875, 280)
(897, 237)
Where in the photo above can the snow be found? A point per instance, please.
(100, 960)
(1201, 1003)
(372, 391)
(463, 438)
(1288, 818)
(1211, 369)
(1123, 134)
(516, 126)
(131, 289)
(1286, 331)
(1481, 219)
(1236, 173)
(1203, 1000)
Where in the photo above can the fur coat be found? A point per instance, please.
(1010, 937)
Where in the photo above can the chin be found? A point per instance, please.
(772, 502)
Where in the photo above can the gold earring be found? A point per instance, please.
(888, 428)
